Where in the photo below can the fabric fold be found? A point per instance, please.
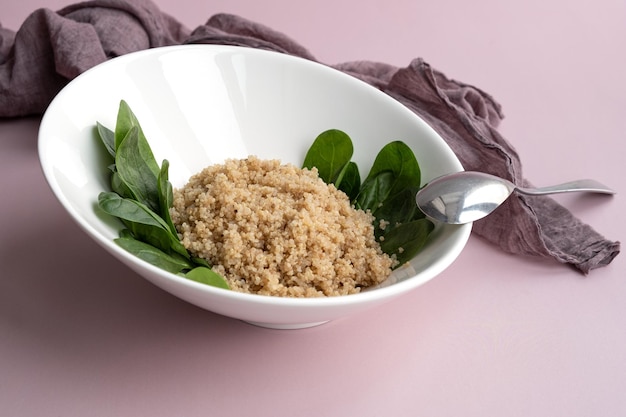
(51, 48)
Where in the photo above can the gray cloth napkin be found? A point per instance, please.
(52, 48)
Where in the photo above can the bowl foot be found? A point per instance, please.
(285, 326)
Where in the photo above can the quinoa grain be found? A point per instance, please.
(275, 229)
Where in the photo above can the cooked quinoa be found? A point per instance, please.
(275, 229)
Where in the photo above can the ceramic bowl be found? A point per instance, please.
(201, 104)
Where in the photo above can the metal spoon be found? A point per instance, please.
(464, 197)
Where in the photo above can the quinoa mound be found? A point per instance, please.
(276, 229)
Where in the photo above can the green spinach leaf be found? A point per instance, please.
(398, 158)
(126, 120)
(200, 262)
(119, 186)
(350, 180)
(207, 276)
(153, 255)
(138, 169)
(407, 239)
(395, 168)
(166, 195)
(374, 191)
(329, 153)
(107, 136)
(130, 210)
(397, 209)
(158, 237)
(144, 224)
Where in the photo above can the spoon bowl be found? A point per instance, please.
(467, 196)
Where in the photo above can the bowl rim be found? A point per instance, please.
(462, 232)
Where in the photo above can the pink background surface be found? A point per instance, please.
(495, 335)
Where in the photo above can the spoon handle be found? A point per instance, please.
(589, 186)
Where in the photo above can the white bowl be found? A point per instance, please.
(201, 104)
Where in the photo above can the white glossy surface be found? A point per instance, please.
(201, 104)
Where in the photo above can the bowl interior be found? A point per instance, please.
(199, 105)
